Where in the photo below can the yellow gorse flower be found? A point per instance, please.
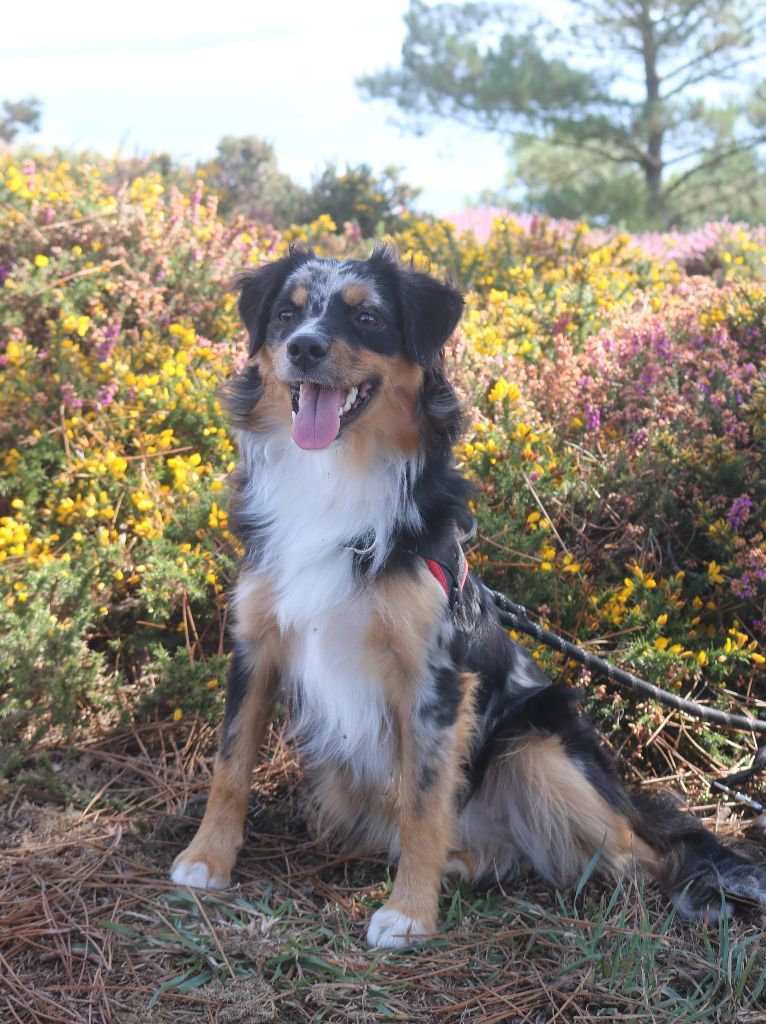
(714, 572)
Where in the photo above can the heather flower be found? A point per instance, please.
(752, 574)
(639, 438)
(105, 347)
(106, 394)
(739, 512)
(70, 398)
(592, 417)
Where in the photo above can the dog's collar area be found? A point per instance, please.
(445, 560)
(447, 563)
(451, 585)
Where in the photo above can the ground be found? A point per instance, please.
(93, 931)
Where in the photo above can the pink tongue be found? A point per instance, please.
(317, 422)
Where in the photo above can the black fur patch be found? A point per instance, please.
(241, 394)
(237, 682)
(427, 776)
(430, 311)
(441, 709)
(258, 290)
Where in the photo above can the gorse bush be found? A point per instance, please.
(616, 423)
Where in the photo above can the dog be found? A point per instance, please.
(426, 731)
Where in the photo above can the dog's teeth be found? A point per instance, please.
(295, 415)
(350, 399)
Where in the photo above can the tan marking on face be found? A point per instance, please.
(389, 423)
(342, 365)
(299, 295)
(357, 293)
(274, 408)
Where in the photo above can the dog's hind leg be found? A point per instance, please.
(551, 798)
(540, 806)
(250, 690)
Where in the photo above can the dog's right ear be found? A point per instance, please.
(431, 311)
(258, 290)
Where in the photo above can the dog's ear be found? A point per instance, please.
(430, 311)
(258, 290)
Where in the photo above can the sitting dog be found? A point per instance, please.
(426, 730)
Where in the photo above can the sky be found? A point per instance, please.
(172, 77)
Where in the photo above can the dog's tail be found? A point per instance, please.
(703, 878)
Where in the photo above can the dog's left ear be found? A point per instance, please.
(258, 290)
(431, 311)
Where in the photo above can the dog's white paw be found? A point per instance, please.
(390, 929)
(197, 875)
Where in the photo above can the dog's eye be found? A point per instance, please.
(367, 318)
(286, 315)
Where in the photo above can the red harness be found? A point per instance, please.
(452, 578)
(438, 571)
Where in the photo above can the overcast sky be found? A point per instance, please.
(174, 77)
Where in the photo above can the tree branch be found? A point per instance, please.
(742, 144)
(724, 185)
(715, 159)
(595, 150)
(677, 28)
(704, 75)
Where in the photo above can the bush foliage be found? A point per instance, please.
(616, 397)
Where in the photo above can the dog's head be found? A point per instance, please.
(343, 346)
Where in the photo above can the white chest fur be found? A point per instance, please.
(339, 709)
(313, 506)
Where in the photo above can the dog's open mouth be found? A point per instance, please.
(320, 413)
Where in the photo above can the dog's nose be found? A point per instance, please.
(306, 350)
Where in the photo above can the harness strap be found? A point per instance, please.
(451, 578)
(446, 562)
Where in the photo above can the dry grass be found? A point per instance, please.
(92, 931)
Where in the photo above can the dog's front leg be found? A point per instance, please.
(250, 691)
(433, 736)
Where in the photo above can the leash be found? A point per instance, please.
(447, 563)
(517, 617)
